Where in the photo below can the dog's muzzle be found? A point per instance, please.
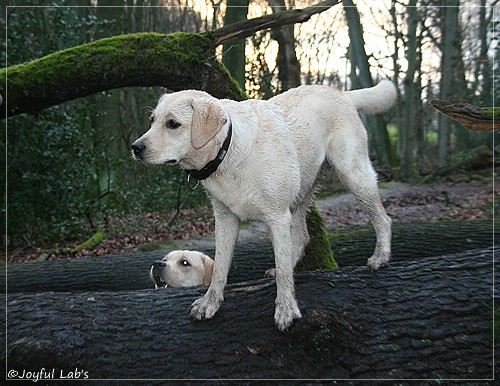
(138, 147)
(155, 273)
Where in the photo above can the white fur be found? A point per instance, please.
(275, 156)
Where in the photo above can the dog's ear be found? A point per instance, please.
(208, 119)
(209, 267)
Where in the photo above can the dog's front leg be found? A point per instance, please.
(227, 226)
(286, 306)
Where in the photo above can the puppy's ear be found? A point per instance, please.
(209, 267)
(208, 119)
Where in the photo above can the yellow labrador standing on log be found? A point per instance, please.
(259, 160)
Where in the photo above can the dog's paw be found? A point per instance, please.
(270, 273)
(205, 307)
(377, 261)
(285, 313)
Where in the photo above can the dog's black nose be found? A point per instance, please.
(159, 264)
(138, 147)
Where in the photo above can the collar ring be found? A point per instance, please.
(189, 184)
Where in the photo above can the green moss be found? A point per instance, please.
(490, 112)
(156, 246)
(95, 240)
(177, 61)
(115, 51)
(350, 234)
(241, 93)
(318, 254)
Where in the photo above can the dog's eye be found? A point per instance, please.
(185, 263)
(151, 118)
(173, 124)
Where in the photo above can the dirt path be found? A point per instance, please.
(403, 203)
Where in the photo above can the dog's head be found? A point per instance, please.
(182, 124)
(182, 269)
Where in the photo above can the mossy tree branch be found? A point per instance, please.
(470, 116)
(176, 61)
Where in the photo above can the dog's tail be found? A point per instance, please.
(374, 100)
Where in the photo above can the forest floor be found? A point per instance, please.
(454, 198)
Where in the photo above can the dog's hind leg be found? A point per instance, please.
(353, 168)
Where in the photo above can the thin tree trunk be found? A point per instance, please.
(287, 62)
(378, 134)
(408, 129)
(449, 32)
(233, 56)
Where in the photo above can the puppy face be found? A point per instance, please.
(181, 124)
(182, 269)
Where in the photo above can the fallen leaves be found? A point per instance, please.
(125, 233)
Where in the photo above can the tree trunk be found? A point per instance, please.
(233, 56)
(423, 319)
(287, 62)
(450, 41)
(351, 247)
(408, 130)
(378, 134)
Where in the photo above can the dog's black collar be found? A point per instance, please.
(212, 166)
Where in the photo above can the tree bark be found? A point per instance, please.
(351, 247)
(470, 116)
(423, 319)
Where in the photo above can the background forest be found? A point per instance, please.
(69, 170)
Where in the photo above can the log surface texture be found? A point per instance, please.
(423, 319)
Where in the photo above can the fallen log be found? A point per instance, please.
(411, 241)
(424, 319)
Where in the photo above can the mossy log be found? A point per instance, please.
(352, 247)
(470, 116)
(176, 61)
(425, 319)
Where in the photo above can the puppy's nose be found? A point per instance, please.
(159, 264)
(138, 147)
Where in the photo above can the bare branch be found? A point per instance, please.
(246, 28)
